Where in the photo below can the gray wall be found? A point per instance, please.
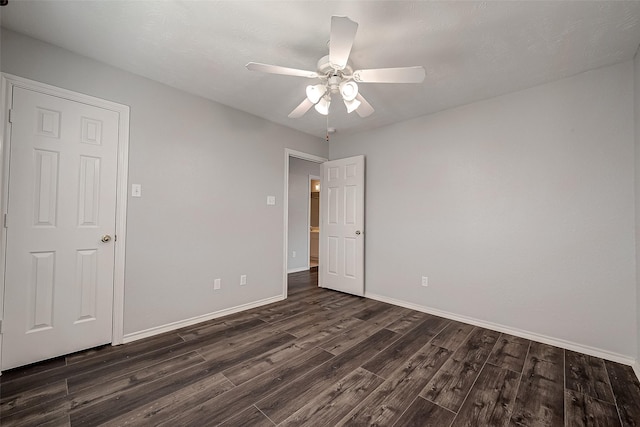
(205, 171)
(519, 209)
(299, 171)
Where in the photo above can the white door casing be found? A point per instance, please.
(342, 225)
(62, 196)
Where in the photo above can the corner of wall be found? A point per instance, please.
(636, 115)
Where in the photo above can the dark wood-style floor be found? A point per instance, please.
(323, 358)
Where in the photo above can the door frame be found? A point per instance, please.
(317, 178)
(289, 153)
(8, 82)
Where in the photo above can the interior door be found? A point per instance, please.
(60, 222)
(342, 225)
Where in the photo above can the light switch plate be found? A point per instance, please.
(271, 200)
(136, 190)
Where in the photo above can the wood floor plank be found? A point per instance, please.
(32, 369)
(342, 342)
(335, 402)
(540, 398)
(626, 389)
(31, 397)
(389, 401)
(217, 350)
(509, 353)
(281, 355)
(279, 406)
(249, 417)
(370, 313)
(218, 327)
(121, 403)
(583, 411)
(110, 353)
(169, 406)
(201, 410)
(319, 321)
(408, 322)
(88, 379)
(449, 387)
(490, 400)
(387, 361)
(52, 412)
(587, 374)
(453, 336)
(104, 387)
(422, 413)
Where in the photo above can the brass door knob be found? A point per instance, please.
(106, 238)
(358, 232)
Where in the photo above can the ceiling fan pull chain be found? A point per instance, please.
(327, 128)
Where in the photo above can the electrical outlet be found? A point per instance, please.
(293, 255)
(425, 281)
(216, 284)
(243, 280)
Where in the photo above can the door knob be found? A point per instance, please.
(358, 232)
(106, 238)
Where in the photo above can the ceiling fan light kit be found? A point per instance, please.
(337, 76)
(322, 106)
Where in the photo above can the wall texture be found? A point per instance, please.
(519, 209)
(299, 171)
(205, 171)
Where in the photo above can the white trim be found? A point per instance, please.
(569, 345)
(636, 369)
(8, 82)
(134, 336)
(297, 270)
(285, 259)
(309, 191)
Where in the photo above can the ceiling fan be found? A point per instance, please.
(337, 77)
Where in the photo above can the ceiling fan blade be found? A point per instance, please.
(390, 75)
(276, 69)
(301, 109)
(365, 109)
(343, 31)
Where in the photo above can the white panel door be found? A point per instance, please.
(342, 225)
(61, 206)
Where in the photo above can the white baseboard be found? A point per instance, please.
(134, 336)
(591, 351)
(636, 368)
(297, 270)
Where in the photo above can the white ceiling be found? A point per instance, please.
(470, 50)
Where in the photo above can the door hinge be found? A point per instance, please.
(1, 327)
(4, 221)
(10, 118)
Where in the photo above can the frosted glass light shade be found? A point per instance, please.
(352, 105)
(349, 90)
(315, 92)
(322, 106)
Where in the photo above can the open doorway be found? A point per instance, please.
(314, 221)
(299, 169)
